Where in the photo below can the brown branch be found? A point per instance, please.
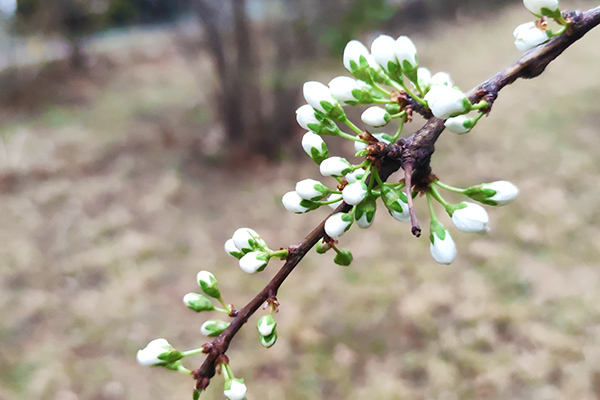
(413, 154)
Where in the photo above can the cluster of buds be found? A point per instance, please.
(251, 250)
(532, 34)
(385, 77)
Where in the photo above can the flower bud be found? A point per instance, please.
(496, 193)
(319, 96)
(470, 217)
(406, 53)
(383, 50)
(446, 102)
(296, 204)
(354, 193)
(460, 124)
(266, 325)
(213, 327)
(305, 115)
(357, 58)
(335, 196)
(253, 262)
(246, 239)
(343, 258)
(355, 175)
(232, 250)
(335, 166)
(208, 284)
(423, 77)
(396, 202)
(310, 189)
(441, 78)
(322, 247)
(528, 36)
(442, 247)
(540, 8)
(375, 116)
(235, 389)
(268, 341)
(337, 224)
(365, 212)
(198, 302)
(315, 147)
(347, 91)
(158, 352)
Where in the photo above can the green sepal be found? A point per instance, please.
(311, 205)
(481, 194)
(217, 328)
(200, 304)
(390, 197)
(451, 208)
(437, 229)
(170, 356)
(343, 258)
(196, 394)
(367, 206)
(393, 108)
(410, 71)
(322, 247)
(174, 366)
(361, 153)
(268, 341)
(211, 289)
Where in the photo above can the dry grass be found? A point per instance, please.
(106, 219)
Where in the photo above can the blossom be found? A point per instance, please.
(235, 389)
(396, 202)
(364, 214)
(470, 217)
(343, 87)
(446, 102)
(353, 52)
(383, 50)
(310, 189)
(266, 325)
(305, 115)
(536, 7)
(528, 36)
(296, 204)
(150, 354)
(496, 193)
(208, 284)
(442, 247)
(232, 250)
(375, 116)
(441, 78)
(337, 224)
(406, 53)
(254, 261)
(213, 327)
(355, 175)
(423, 77)
(332, 197)
(246, 239)
(197, 302)
(459, 124)
(354, 193)
(335, 166)
(315, 147)
(319, 96)
(268, 341)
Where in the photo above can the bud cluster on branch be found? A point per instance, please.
(389, 82)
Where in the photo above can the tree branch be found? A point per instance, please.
(413, 154)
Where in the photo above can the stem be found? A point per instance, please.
(279, 253)
(351, 125)
(480, 105)
(227, 372)
(225, 305)
(430, 204)
(440, 199)
(402, 86)
(450, 188)
(192, 352)
(184, 370)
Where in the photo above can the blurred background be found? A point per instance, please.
(137, 135)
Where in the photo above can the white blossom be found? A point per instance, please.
(352, 53)
(266, 325)
(528, 36)
(213, 327)
(335, 196)
(315, 147)
(310, 189)
(446, 102)
(406, 52)
(471, 218)
(460, 124)
(208, 283)
(341, 88)
(235, 389)
(254, 261)
(355, 175)
(337, 224)
(365, 220)
(231, 249)
(423, 77)
(334, 166)
(359, 146)
(293, 202)
(536, 6)
(505, 191)
(375, 116)
(305, 115)
(354, 193)
(246, 239)
(442, 250)
(315, 93)
(383, 51)
(441, 78)
(149, 354)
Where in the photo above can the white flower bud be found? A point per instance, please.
(315, 147)
(375, 116)
(505, 192)
(355, 175)
(359, 146)
(442, 247)
(354, 193)
(310, 189)
(296, 204)
(383, 50)
(396, 203)
(441, 78)
(235, 389)
(406, 53)
(149, 354)
(232, 250)
(423, 77)
(337, 224)
(268, 341)
(335, 166)
(316, 94)
(254, 261)
(208, 284)
(446, 102)
(305, 115)
(528, 36)
(213, 327)
(246, 239)
(460, 124)
(470, 217)
(352, 54)
(342, 87)
(197, 302)
(335, 196)
(365, 212)
(266, 325)
(536, 6)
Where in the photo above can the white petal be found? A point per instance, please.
(383, 50)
